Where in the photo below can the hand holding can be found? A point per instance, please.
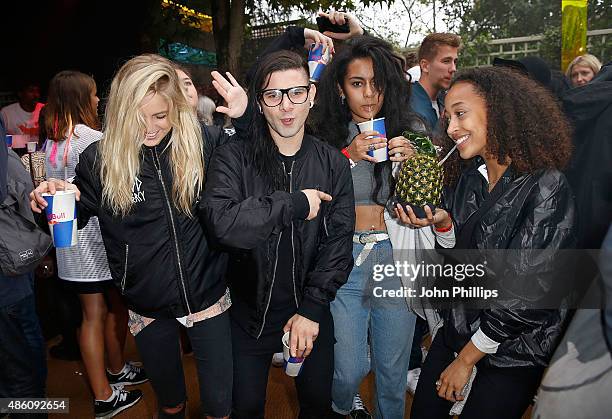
(318, 58)
(292, 364)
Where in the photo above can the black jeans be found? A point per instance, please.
(416, 354)
(252, 359)
(501, 393)
(158, 344)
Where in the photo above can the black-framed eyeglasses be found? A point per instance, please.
(273, 97)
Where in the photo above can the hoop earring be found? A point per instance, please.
(259, 107)
(311, 104)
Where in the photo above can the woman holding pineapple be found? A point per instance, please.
(512, 195)
(363, 82)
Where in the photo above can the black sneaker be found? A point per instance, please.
(129, 376)
(122, 399)
(359, 410)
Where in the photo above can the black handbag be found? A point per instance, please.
(23, 243)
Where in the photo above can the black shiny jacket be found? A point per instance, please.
(242, 212)
(534, 211)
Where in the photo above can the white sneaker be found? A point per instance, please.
(278, 360)
(413, 380)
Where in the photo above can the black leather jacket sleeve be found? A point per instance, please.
(86, 181)
(232, 219)
(334, 259)
(547, 229)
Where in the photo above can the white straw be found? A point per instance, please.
(441, 162)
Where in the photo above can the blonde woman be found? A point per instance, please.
(582, 69)
(71, 123)
(143, 181)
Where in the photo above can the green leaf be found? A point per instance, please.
(422, 143)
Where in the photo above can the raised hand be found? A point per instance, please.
(234, 95)
(340, 18)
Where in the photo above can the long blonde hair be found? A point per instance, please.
(124, 134)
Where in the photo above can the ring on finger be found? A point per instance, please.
(371, 147)
(438, 384)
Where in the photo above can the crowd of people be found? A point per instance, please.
(193, 235)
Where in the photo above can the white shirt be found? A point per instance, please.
(436, 107)
(415, 73)
(19, 122)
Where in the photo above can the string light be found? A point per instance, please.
(204, 21)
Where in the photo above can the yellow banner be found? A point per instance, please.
(573, 30)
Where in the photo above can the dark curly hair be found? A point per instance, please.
(524, 121)
(330, 117)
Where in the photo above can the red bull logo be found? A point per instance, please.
(319, 53)
(56, 218)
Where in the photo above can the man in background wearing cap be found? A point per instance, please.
(533, 67)
(438, 61)
(539, 70)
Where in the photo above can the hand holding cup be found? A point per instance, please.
(303, 334)
(367, 141)
(50, 186)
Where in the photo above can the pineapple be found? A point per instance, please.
(420, 179)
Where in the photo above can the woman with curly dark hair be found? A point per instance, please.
(366, 81)
(512, 197)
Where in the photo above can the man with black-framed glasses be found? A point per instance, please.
(283, 202)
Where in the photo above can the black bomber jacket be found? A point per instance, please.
(158, 257)
(242, 212)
